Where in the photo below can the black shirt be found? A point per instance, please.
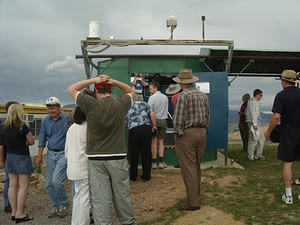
(14, 140)
(287, 104)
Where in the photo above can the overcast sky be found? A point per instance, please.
(40, 38)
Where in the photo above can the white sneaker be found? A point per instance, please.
(261, 157)
(154, 165)
(288, 199)
(160, 165)
(252, 158)
(299, 197)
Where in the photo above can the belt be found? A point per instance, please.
(56, 150)
(106, 158)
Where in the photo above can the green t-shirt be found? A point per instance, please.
(105, 124)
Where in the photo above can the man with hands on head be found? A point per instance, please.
(106, 149)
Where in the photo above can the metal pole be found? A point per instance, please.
(245, 67)
(203, 19)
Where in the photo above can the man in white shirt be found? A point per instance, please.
(159, 104)
(256, 135)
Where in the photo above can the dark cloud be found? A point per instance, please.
(39, 38)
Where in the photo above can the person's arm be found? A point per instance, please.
(252, 114)
(29, 139)
(124, 87)
(39, 159)
(153, 121)
(143, 81)
(178, 116)
(75, 88)
(42, 144)
(273, 122)
(207, 113)
(1, 156)
(134, 80)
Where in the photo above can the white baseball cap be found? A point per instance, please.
(52, 101)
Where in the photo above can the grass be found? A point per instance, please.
(253, 197)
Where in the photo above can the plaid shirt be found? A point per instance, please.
(191, 110)
(138, 114)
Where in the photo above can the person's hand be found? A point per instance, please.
(267, 135)
(111, 81)
(255, 127)
(102, 78)
(1, 164)
(154, 131)
(38, 161)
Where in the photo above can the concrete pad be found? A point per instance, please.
(220, 162)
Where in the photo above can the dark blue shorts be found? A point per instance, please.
(289, 146)
(18, 164)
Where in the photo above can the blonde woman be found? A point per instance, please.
(16, 137)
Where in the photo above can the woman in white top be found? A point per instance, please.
(77, 169)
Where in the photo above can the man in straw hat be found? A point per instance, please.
(286, 108)
(173, 89)
(191, 120)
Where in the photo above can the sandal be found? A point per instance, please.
(24, 219)
(296, 182)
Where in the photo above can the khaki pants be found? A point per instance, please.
(189, 149)
(252, 143)
(109, 185)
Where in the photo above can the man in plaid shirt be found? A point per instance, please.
(191, 120)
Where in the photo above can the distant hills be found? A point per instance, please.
(233, 117)
(69, 106)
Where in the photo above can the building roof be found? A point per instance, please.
(262, 62)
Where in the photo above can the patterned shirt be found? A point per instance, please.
(191, 110)
(138, 114)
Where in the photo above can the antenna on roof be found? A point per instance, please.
(172, 22)
(203, 19)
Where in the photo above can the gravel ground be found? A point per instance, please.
(38, 206)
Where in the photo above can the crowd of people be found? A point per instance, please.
(89, 146)
(286, 109)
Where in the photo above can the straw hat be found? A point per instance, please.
(289, 75)
(185, 77)
(173, 89)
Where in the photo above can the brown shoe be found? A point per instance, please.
(188, 208)
(7, 209)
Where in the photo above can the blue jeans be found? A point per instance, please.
(56, 172)
(5, 191)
